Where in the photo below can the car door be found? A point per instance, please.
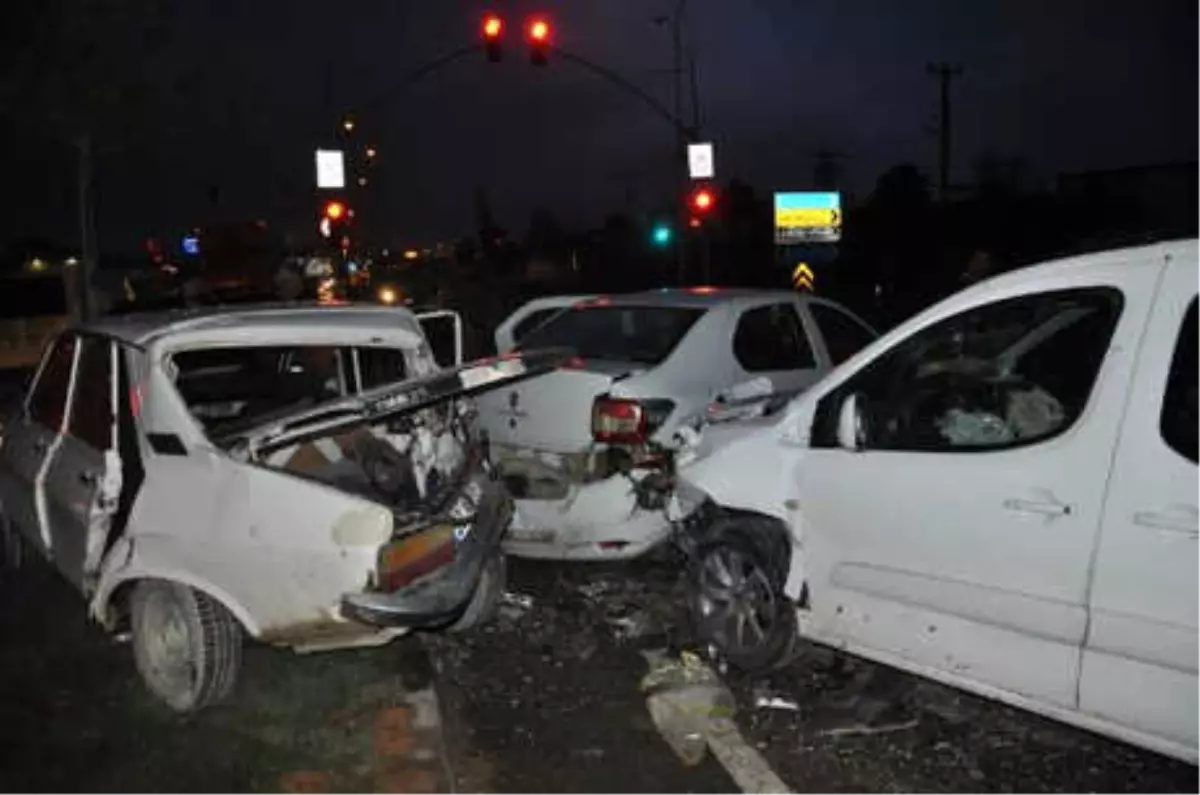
(770, 342)
(958, 538)
(83, 475)
(1139, 660)
(29, 438)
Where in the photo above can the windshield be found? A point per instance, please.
(640, 334)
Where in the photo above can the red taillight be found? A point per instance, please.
(618, 421)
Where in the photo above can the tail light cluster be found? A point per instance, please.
(626, 421)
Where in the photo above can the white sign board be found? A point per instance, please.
(700, 161)
(331, 169)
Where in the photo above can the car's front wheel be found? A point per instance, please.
(738, 606)
(187, 646)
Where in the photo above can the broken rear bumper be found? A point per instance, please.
(441, 597)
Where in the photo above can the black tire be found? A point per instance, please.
(737, 601)
(486, 598)
(186, 645)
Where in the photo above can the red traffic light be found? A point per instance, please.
(335, 211)
(539, 30)
(493, 26)
(702, 200)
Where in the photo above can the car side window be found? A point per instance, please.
(48, 401)
(91, 406)
(381, 366)
(844, 336)
(771, 338)
(532, 321)
(1006, 374)
(1178, 422)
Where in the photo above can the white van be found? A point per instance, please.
(1000, 494)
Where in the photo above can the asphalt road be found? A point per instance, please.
(546, 698)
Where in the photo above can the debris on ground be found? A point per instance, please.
(523, 601)
(860, 729)
(766, 701)
(634, 625)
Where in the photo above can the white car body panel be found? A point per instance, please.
(1059, 576)
(551, 416)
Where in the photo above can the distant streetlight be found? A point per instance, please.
(371, 152)
(348, 124)
(362, 181)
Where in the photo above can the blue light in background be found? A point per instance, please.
(191, 245)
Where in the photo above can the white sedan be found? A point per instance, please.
(587, 452)
(304, 476)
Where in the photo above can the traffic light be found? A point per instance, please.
(702, 200)
(538, 32)
(661, 235)
(335, 211)
(493, 30)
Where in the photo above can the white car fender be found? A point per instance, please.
(153, 557)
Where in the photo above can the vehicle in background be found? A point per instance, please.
(306, 476)
(1000, 494)
(587, 451)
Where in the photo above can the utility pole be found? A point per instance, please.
(944, 72)
(680, 137)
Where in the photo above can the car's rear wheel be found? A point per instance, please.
(187, 646)
(486, 598)
(738, 606)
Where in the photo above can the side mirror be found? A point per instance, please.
(852, 424)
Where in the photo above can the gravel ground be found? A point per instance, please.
(547, 698)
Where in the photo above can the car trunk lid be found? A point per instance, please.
(554, 412)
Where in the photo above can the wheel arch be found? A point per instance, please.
(112, 598)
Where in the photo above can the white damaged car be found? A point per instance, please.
(1000, 494)
(587, 452)
(303, 476)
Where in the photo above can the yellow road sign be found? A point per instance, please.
(803, 277)
(805, 217)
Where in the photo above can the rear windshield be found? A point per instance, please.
(640, 334)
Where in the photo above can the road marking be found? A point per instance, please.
(744, 764)
(690, 690)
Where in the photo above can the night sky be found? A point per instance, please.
(1066, 85)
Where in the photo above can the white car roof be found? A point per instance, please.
(145, 328)
(698, 297)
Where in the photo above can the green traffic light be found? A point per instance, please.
(661, 235)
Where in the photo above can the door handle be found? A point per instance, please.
(1051, 509)
(1179, 521)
